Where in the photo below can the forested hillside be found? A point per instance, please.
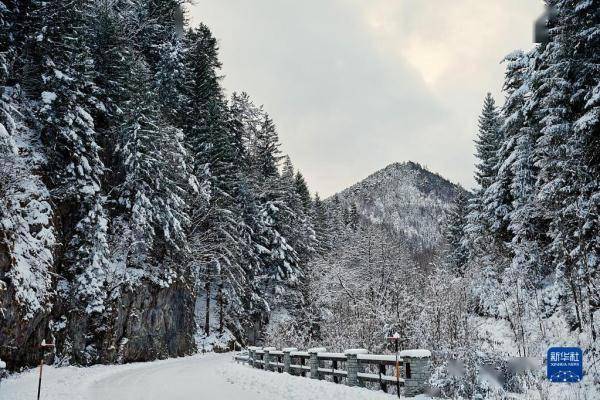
(408, 200)
(129, 184)
(379, 242)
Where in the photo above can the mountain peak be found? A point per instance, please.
(405, 164)
(407, 198)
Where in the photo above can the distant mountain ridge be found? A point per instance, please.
(406, 198)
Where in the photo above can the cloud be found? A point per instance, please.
(357, 84)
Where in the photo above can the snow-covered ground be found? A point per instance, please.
(209, 376)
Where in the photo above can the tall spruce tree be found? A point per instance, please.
(158, 25)
(26, 232)
(216, 149)
(281, 261)
(457, 254)
(321, 224)
(62, 55)
(303, 191)
(155, 168)
(566, 79)
(487, 145)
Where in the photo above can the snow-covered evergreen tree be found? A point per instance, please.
(565, 81)
(487, 143)
(457, 254)
(26, 231)
(321, 224)
(487, 146)
(171, 79)
(159, 21)
(300, 232)
(218, 244)
(301, 188)
(66, 90)
(157, 176)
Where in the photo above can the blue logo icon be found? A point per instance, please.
(565, 364)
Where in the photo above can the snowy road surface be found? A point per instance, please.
(208, 376)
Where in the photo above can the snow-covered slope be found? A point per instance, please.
(405, 197)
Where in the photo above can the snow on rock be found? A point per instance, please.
(208, 376)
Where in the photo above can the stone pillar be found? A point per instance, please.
(287, 359)
(251, 356)
(267, 358)
(420, 372)
(353, 366)
(313, 362)
(352, 369)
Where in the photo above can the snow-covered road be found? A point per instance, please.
(208, 376)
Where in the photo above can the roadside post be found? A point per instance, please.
(396, 339)
(43, 346)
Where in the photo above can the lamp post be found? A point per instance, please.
(42, 346)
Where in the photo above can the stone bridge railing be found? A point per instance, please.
(353, 367)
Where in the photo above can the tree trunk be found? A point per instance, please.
(576, 303)
(221, 307)
(207, 288)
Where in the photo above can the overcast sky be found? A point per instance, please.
(355, 85)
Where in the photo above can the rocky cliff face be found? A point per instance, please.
(18, 337)
(145, 322)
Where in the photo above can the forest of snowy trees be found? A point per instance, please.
(135, 196)
(526, 245)
(130, 184)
